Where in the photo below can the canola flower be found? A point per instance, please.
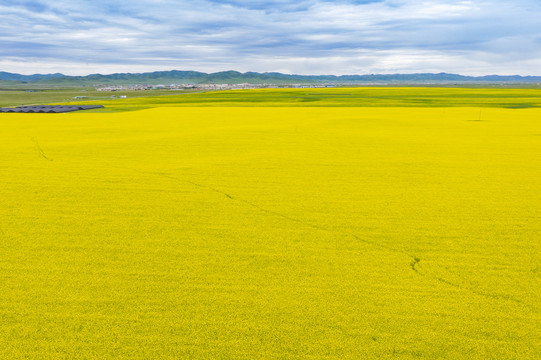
(271, 232)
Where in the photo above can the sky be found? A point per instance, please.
(309, 37)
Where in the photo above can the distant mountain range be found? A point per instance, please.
(235, 77)
(6, 76)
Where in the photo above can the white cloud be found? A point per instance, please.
(307, 37)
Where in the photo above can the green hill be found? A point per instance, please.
(235, 77)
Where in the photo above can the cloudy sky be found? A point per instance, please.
(80, 37)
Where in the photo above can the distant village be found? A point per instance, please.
(208, 86)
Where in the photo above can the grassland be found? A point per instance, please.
(32, 95)
(342, 97)
(516, 98)
(279, 229)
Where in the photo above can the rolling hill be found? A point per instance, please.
(235, 77)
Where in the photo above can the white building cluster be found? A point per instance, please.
(206, 86)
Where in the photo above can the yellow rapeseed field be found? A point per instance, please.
(271, 233)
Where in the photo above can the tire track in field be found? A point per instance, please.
(40, 150)
(414, 263)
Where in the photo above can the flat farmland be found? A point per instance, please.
(265, 232)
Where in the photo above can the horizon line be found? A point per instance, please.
(276, 72)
